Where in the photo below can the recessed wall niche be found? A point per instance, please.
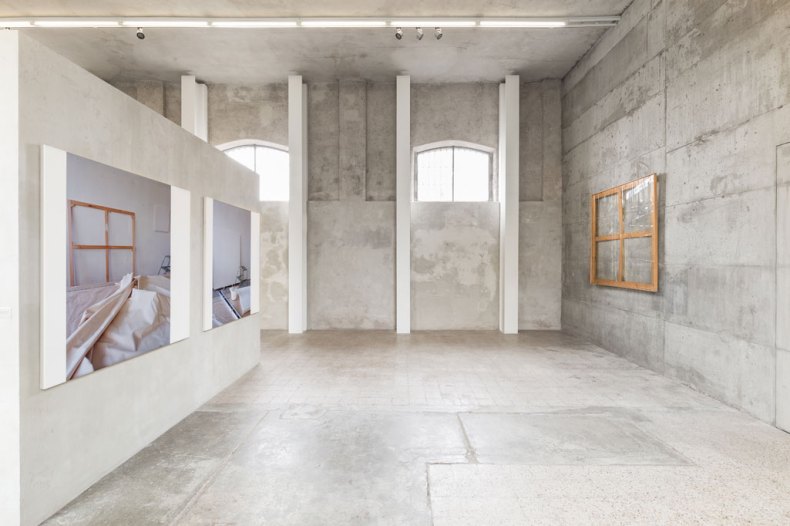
(115, 266)
(231, 263)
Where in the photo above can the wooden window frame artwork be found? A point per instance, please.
(106, 246)
(621, 235)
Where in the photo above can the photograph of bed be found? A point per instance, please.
(231, 264)
(118, 290)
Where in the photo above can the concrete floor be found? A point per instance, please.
(450, 429)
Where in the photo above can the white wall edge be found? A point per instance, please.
(180, 228)
(208, 261)
(54, 273)
(255, 263)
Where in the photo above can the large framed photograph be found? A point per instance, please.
(231, 263)
(115, 270)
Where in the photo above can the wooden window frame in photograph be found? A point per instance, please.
(622, 235)
(106, 246)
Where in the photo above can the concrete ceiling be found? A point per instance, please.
(269, 55)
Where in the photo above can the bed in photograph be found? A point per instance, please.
(111, 323)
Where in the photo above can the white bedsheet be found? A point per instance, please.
(128, 323)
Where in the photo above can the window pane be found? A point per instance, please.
(638, 260)
(608, 260)
(274, 171)
(638, 207)
(608, 215)
(472, 175)
(435, 175)
(244, 155)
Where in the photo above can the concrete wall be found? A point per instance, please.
(352, 161)
(73, 434)
(455, 246)
(351, 214)
(259, 112)
(540, 189)
(697, 92)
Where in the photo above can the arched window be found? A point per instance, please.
(268, 160)
(453, 171)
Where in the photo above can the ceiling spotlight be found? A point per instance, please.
(140, 33)
(399, 33)
(420, 33)
(438, 33)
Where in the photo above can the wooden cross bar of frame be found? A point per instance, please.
(621, 235)
(106, 246)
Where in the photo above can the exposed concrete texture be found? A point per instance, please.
(540, 188)
(697, 92)
(274, 265)
(323, 143)
(541, 141)
(450, 429)
(455, 266)
(540, 265)
(380, 184)
(148, 92)
(352, 139)
(248, 112)
(351, 265)
(462, 112)
(74, 433)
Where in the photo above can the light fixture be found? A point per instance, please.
(435, 23)
(166, 23)
(254, 24)
(399, 33)
(437, 32)
(14, 24)
(81, 23)
(420, 33)
(140, 33)
(523, 23)
(337, 23)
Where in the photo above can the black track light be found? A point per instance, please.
(399, 33)
(438, 33)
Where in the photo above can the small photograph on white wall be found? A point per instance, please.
(231, 264)
(118, 266)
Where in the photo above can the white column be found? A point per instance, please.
(508, 204)
(9, 278)
(403, 207)
(297, 207)
(194, 107)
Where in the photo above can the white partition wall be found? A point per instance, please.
(9, 280)
(508, 203)
(403, 207)
(297, 209)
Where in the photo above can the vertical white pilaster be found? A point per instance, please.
(255, 263)
(508, 204)
(403, 207)
(194, 107)
(297, 208)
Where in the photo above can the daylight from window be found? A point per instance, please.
(271, 165)
(453, 173)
